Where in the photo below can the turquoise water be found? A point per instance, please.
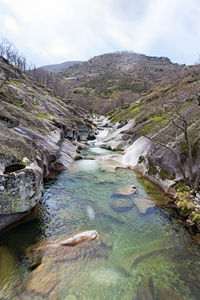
(139, 252)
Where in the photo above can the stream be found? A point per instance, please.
(143, 252)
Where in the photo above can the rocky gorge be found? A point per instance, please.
(39, 134)
(153, 161)
(96, 223)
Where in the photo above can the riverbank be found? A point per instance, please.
(37, 131)
(142, 246)
(139, 156)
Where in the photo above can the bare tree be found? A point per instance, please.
(181, 120)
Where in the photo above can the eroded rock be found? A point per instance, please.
(143, 204)
(127, 190)
(80, 238)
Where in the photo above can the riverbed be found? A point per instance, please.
(144, 248)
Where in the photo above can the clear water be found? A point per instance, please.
(134, 247)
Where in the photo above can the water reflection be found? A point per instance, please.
(137, 248)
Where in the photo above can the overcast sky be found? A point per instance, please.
(54, 31)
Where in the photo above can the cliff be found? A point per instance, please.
(37, 136)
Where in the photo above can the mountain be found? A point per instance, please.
(59, 67)
(109, 80)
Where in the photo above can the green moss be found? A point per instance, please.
(126, 114)
(17, 105)
(152, 170)
(44, 116)
(196, 217)
(16, 83)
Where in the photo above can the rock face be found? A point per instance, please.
(36, 135)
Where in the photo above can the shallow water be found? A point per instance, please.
(135, 247)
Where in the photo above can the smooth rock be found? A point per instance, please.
(8, 268)
(143, 205)
(127, 190)
(80, 238)
(41, 282)
(121, 204)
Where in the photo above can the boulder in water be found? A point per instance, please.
(143, 205)
(127, 190)
(79, 238)
(121, 204)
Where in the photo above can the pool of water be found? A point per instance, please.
(141, 252)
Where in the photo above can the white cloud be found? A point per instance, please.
(50, 31)
(11, 24)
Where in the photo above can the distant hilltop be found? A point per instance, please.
(60, 67)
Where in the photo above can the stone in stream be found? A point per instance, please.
(121, 204)
(79, 238)
(40, 282)
(53, 254)
(146, 290)
(143, 205)
(127, 190)
(71, 249)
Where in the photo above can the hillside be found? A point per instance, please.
(36, 135)
(59, 67)
(107, 81)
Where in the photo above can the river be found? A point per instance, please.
(143, 253)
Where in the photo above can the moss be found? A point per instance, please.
(16, 83)
(152, 170)
(44, 116)
(166, 175)
(182, 187)
(126, 114)
(196, 217)
(17, 105)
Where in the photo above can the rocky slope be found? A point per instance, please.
(145, 129)
(38, 135)
(107, 81)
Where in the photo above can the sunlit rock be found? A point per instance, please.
(127, 190)
(79, 238)
(143, 205)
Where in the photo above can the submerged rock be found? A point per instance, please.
(61, 250)
(121, 204)
(9, 270)
(40, 282)
(166, 294)
(127, 190)
(143, 205)
(146, 290)
(80, 238)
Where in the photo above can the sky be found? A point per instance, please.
(49, 31)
